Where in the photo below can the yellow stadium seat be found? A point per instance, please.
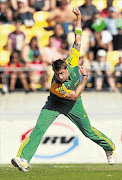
(75, 3)
(100, 4)
(43, 39)
(3, 41)
(40, 18)
(28, 33)
(113, 58)
(41, 34)
(5, 29)
(118, 4)
(4, 57)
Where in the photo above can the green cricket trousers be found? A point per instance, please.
(76, 113)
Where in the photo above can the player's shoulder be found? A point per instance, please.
(74, 54)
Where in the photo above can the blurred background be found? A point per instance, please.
(34, 33)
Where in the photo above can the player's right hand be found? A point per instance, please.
(83, 70)
(77, 12)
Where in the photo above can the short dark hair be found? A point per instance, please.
(59, 64)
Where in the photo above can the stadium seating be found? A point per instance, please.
(118, 4)
(38, 31)
(40, 18)
(5, 29)
(100, 4)
(4, 57)
(29, 33)
(75, 3)
(113, 58)
(43, 37)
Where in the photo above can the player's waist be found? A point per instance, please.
(64, 101)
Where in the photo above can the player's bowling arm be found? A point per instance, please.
(73, 58)
(74, 95)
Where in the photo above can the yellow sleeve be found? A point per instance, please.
(59, 90)
(73, 58)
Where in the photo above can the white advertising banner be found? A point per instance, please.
(62, 143)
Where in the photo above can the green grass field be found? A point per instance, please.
(63, 172)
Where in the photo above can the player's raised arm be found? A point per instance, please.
(73, 58)
(78, 29)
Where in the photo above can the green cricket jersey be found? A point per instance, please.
(59, 90)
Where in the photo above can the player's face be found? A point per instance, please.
(62, 75)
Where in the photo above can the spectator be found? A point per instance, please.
(50, 54)
(5, 12)
(87, 10)
(39, 76)
(83, 61)
(3, 80)
(111, 22)
(118, 71)
(103, 38)
(91, 43)
(102, 71)
(28, 57)
(87, 43)
(60, 37)
(53, 5)
(25, 13)
(14, 64)
(105, 12)
(40, 5)
(16, 39)
(58, 2)
(89, 23)
(4, 59)
(29, 49)
(61, 40)
(118, 42)
(49, 51)
(63, 15)
(14, 4)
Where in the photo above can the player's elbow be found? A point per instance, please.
(75, 98)
(72, 96)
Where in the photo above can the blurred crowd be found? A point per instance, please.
(34, 33)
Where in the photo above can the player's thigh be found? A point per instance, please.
(46, 117)
(79, 116)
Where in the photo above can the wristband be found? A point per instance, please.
(85, 75)
(78, 30)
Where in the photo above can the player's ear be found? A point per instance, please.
(67, 69)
